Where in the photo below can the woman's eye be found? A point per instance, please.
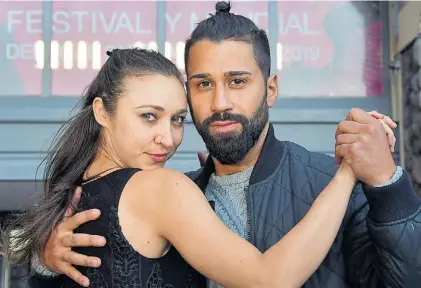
(149, 117)
(179, 120)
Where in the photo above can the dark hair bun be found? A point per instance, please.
(223, 7)
(109, 53)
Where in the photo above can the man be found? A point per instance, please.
(261, 187)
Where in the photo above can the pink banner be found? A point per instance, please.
(324, 48)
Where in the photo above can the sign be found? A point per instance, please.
(324, 48)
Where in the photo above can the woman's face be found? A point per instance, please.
(147, 126)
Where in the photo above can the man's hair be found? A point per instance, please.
(225, 26)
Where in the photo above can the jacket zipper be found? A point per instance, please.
(248, 215)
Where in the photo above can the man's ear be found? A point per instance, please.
(272, 90)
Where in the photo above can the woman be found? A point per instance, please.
(131, 123)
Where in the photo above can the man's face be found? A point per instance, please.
(228, 97)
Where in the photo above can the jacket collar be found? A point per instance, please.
(269, 159)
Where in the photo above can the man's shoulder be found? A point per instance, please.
(193, 175)
(315, 162)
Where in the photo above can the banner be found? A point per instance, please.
(324, 48)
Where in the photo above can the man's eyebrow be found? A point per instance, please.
(237, 73)
(229, 74)
(200, 76)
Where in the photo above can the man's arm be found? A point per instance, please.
(58, 256)
(382, 240)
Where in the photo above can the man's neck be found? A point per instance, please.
(248, 161)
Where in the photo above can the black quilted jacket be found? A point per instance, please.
(379, 242)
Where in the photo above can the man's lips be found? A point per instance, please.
(223, 126)
(223, 123)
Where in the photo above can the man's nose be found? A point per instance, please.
(220, 100)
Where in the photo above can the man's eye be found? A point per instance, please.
(238, 81)
(204, 84)
(148, 117)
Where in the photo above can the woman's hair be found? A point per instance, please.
(74, 149)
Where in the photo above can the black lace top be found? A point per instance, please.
(121, 266)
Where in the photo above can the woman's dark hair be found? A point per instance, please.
(75, 147)
(227, 26)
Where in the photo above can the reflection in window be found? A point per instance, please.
(20, 29)
(330, 49)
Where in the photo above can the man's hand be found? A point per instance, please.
(388, 125)
(58, 255)
(362, 142)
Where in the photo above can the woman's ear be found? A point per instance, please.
(100, 114)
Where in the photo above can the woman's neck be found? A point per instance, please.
(102, 165)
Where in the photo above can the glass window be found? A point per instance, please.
(84, 30)
(183, 16)
(20, 31)
(330, 48)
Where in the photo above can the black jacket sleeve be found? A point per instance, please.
(382, 239)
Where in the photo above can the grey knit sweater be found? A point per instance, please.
(229, 194)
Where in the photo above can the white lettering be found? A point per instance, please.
(79, 15)
(138, 28)
(94, 26)
(81, 21)
(34, 21)
(11, 20)
(123, 23)
(298, 53)
(12, 51)
(19, 51)
(297, 22)
(61, 21)
(107, 26)
(193, 21)
(172, 22)
(27, 51)
(306, 25)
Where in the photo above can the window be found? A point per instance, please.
(330, 48)
(20, 31)
(84, 30)
(182, 17)
(320, 49)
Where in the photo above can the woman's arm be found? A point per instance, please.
(181, 214)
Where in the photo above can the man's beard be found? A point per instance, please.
(230, 148)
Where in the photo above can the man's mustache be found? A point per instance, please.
(225, 117)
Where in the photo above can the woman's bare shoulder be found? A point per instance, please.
(161, 179)
(152, 190)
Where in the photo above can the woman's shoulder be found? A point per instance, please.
(149, 189)
(160, 179)
(159, 176)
